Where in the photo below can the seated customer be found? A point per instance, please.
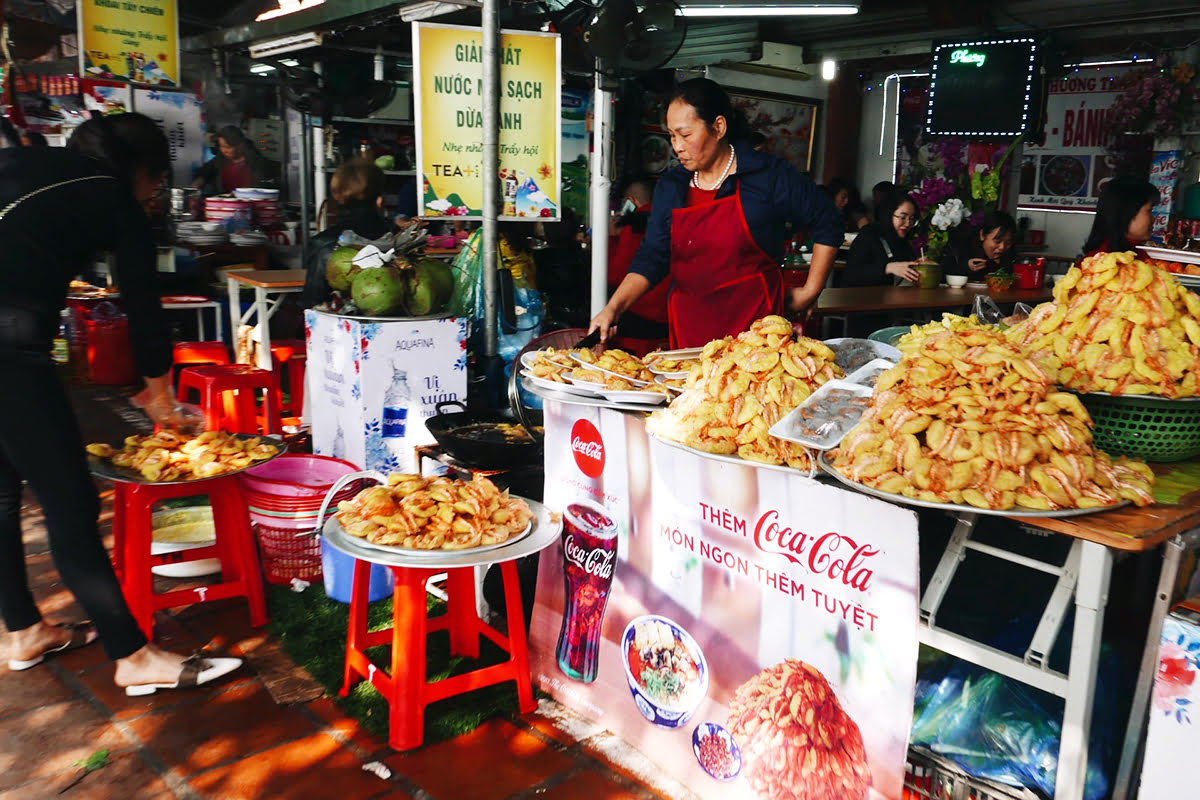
(646, 320)
(984, 249)
(845, 196)
(881, 253)
(357, 188)
(1123, 219)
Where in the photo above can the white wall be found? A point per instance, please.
(1065, 232)
(815, 88)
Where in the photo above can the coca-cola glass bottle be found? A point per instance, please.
(589, 548)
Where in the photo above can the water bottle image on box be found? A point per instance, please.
(395, 411)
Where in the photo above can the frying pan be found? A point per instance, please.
(475, 438)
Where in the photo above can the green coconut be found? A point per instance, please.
(379, 292)
(340, 269)
(430, 284)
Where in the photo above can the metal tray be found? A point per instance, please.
(426, 555)
(545, 529)
(962, 507)
(584, 400)
(741, 462)
(1167, 254)
(103, 468)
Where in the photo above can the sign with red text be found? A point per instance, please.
(1068, 170)
(1164, 175)
(757, 636)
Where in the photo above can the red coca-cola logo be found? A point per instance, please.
(594, 561)
(834, 555)
(588, 448)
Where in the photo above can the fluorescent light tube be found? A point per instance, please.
(763, 9)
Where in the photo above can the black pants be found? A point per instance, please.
(40, 443)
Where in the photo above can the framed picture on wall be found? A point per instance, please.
(789, 123)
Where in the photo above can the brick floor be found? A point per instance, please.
(233, 741)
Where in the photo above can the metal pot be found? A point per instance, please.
(184, 204)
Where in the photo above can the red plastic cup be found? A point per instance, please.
(1029, 276)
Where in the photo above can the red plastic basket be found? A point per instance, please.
(285, 556)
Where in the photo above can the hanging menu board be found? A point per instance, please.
(130, 41)
(181, 117)
(448, 76)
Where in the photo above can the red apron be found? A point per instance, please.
(722, 280)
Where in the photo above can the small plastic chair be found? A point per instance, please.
(288, 357)
(237, 413)
(241, 575)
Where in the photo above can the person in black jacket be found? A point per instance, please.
(882, 252)
(982, 250)
(357, 188)
(95, 189)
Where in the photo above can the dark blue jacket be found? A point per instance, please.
(773, 193)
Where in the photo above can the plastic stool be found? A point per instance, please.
(290, 355)
(193, 353)
(241, 576)
(406, 689)
(238, 413)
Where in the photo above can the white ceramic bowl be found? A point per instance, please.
(956, 281)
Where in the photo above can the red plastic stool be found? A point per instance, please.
(238, 413)
(193, 353)
(241, 576)
(406, 689)
(290, 355)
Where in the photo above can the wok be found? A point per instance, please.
(485, 439)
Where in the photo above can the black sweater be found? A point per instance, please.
(48, 238)
(873, 249)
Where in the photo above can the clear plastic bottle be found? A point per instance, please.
(395, 411)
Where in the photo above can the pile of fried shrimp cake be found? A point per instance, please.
(169, 456)
(420, 513)
(967, 417)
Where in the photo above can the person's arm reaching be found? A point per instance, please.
(804, 298)
(807, 206)
(629, 292)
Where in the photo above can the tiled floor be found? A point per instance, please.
(233, 741)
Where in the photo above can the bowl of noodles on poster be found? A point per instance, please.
(666, 671)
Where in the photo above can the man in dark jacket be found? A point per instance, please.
(357, 188)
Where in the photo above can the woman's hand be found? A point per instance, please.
(606, 322)
(905, 270)
(804, 301)
(977, 264)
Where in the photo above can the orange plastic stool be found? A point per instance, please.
(193, 353)
(289, 356)
(237, 413)
(406, 689)
(241, 575)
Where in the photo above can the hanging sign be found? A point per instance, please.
(1068, 170)
(751, 630)
(448, 76)
(180, 115)
(131, 41)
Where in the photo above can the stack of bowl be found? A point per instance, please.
(222, 208)
(266, 210)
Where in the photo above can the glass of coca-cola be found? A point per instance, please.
(589, 548)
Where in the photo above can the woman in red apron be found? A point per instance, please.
(716, 229)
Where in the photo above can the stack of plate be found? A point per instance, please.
(225, 207)
(249, 238)
(202, 233)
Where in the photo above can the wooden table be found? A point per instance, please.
(1084, 576)
(266, 282)
(905, 298)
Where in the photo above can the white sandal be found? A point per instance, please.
(197, 671)
(82, 634)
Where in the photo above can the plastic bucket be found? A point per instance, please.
(296, 475)
(1029, 276)
(338, 570)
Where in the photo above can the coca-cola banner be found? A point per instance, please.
(751, 630)
(1068, 169)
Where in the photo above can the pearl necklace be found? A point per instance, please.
(720, 180)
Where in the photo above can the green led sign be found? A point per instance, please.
(965, 56)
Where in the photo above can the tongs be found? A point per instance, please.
(338, 485)
(591, 340)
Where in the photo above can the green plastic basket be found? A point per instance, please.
(1149, 428)
(890, 335)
